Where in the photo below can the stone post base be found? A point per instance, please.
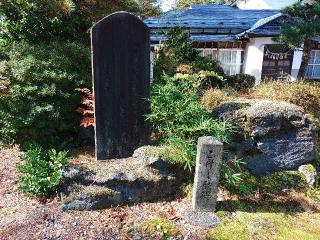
(203, 219)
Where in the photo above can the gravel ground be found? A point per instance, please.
(26, 218)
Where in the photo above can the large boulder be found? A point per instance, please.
(270, 136)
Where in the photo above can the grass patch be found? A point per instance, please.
(212, 98)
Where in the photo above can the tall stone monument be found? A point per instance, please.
(121, 79)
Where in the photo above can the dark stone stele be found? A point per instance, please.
(121, 79)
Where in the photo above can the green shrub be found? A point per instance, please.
(41, 103)
(241, 82)
(176, 110)
(234, 178)
(207, 64)
(163, 64)
(179, 46)
(41, 171)
(178, 50)
(179, 119)
(179, 150)
(201, 79)
(46, 20)
(177, 116)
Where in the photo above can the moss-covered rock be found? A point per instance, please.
(281, 181)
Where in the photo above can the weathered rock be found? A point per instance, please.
(309, 173)
(102, 184)
(149, 154)
(270, 136)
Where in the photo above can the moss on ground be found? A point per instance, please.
(282, 218)
(268, 226)
(161, 228)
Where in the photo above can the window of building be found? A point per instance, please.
(231, 60)
(313, 69)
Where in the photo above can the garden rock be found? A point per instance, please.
(309, 173)
(149, 154)
(270, 136)
(103, 184)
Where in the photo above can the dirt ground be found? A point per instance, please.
(24, 218)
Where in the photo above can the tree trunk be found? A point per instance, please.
(305, 58)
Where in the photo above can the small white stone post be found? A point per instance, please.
(207, 175)
(206, 182)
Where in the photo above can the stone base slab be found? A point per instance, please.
(202, 219)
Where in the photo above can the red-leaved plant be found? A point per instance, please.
(87, 109)
(4, 86)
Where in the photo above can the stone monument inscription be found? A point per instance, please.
(206, 182)
(121, 80)
(209, 155)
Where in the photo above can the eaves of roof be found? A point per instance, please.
(215, 23)
(198, 38)
(256, 30)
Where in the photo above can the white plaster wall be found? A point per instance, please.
(152, 59)
(253, 57)
(296, 63)
(265, 4)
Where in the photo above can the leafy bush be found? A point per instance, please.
(41, 171)
(241, 82)
(207, 64)
(40, 105)
(175, 110)
(179, 150)
(179, 119)
(46, 20)
(201, 79)
(177, 55)
(234, 178)
(179, 46)
(87, 108)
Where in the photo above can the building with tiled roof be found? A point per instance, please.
(241, 39)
